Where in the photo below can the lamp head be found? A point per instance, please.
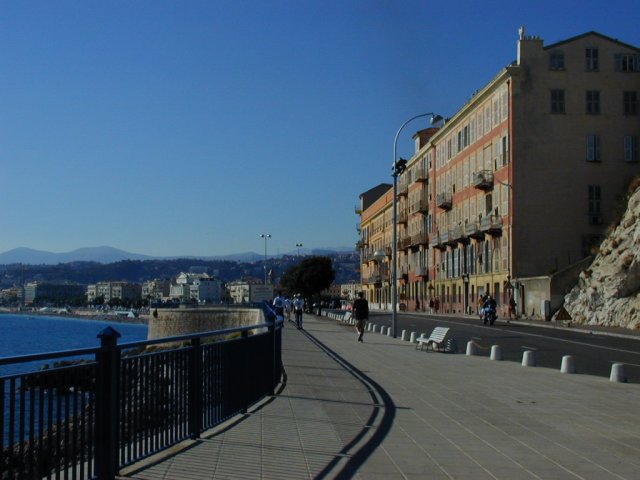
(435, 118)
(399, 166)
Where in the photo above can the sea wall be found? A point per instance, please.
(182, 321)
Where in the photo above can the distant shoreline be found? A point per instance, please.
(82, 314)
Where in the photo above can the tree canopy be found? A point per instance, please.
(309, 277)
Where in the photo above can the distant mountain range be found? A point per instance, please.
(105, 254)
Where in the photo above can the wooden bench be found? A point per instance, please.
(436, 339)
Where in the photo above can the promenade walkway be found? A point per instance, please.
(383, 410)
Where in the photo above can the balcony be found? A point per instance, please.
(452, 241)
(491, 224)
(423, 206)
(457, 234)
(421, 174)
(436, 242)
(403, 216)
(403, 188)
(472, 230)
(420, 239)
(422, 272)
(404, 243)
(483, 180)
(444, 201)
(374, 279)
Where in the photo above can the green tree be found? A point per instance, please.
(309, 277)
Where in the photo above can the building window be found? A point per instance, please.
(630, 148)
(505, 150)
(505, 102)
(627, 62)
(593, 102)
(487, 118)
(593, 148)
(557, 101)
(594, 198)
(505, 253)
(630, 103)
(556, 60)
(591, 58)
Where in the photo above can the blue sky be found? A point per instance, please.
(191, 127)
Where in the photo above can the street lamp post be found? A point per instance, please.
(265, 236)
(298, 246)
(399, 165)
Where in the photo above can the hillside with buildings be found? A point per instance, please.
(608, 292)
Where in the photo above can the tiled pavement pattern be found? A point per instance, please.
(383, 410)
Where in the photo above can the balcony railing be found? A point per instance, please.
(491, 224)
(403, 216)
(472, 229)
(457, 234)
(483, 180)
(420, 239)
(438, 242)
(444, 200)
(421, 174)
(422, 272)
(403, 187)
(404, 242)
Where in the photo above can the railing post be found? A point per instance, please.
(195, 389)
(107, 405)
(274, 380)
(244, 381)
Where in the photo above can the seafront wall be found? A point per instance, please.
(169, 322)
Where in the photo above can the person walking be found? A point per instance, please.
(298, 307)
(287, 308)
(512, 307)
(278, 306)
(361, 314)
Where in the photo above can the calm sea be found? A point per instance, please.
(24, 334)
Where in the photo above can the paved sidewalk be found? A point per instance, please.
(383, 410)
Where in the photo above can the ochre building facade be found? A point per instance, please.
(519, 184)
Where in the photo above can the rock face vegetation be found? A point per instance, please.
(608, 292)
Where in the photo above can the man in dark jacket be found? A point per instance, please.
(361, 314)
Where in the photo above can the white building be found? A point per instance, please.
(196, 286)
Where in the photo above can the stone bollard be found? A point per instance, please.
(496, 352)
(382, 329)
(374, 328)
(567, 365)
(403, 337)
(472, 348)
(412, 338)
(617, 373)
(389, 332)
(528, 359)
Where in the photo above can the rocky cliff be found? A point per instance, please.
(608, 292)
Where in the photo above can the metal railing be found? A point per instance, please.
(103, 408)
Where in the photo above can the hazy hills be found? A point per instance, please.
(107, 254)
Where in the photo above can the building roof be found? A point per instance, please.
(371, 195)
(594, 33)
